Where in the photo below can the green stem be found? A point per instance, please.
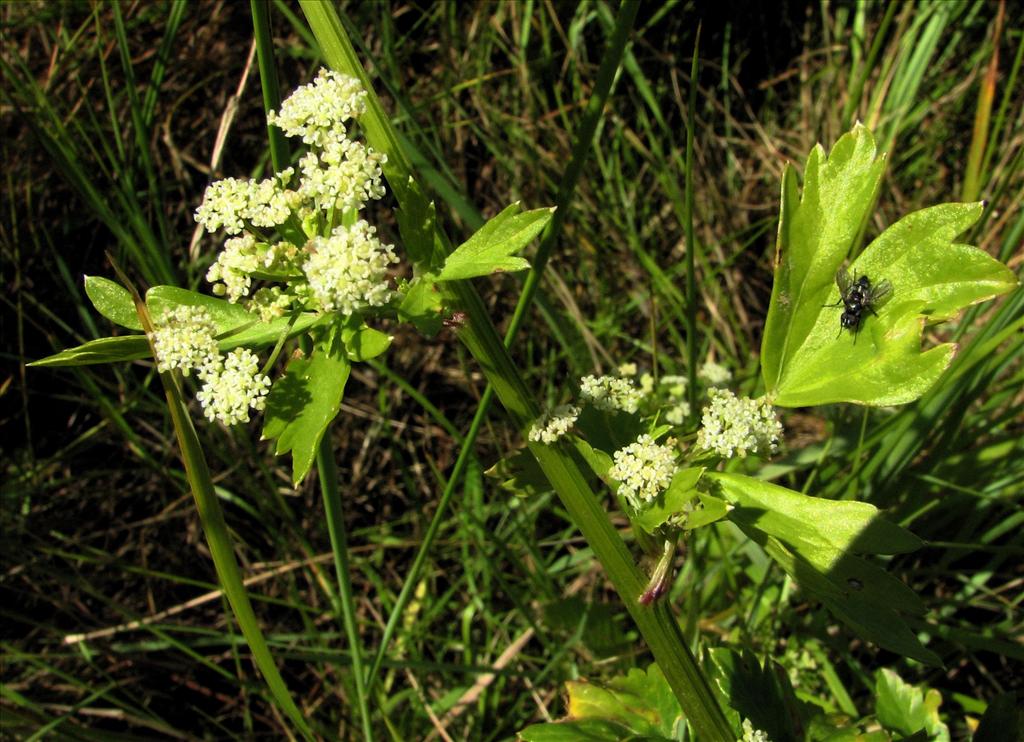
(268, 80)
(691, 239)
(567, 188)
(217, 537)
(328, 473)
(656, 623)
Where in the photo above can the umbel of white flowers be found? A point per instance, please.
(733, 425)
(330, 260)
(294, 238)
(184, 338)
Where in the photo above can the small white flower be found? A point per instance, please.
(740, 425)
(678, 413)
(555, 424)
(317, 112)
(646, 384)
(234, 388)
(185, 338)
(233, 203)
(348, 270)
(225, 204)
(344, 176)
(752, 735)
(714, 375)
(676, 385)
(231, 273)
(610, 393)
(644, 469)
(627, 369)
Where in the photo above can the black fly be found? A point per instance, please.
(858, 295)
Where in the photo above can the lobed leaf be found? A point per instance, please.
(807, 357)
(302, 403)
(637, 706)
(491, 249)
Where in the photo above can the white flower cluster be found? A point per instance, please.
(610, 393)
(348, 270)
(644, 469)
(345, 175)
(675, 388)
(232, 204)
(233, 388)
(714, 375)
(555, 424)
(337, 177)
(752, 735)
(317, 112)
(184, 338)
(739, 425)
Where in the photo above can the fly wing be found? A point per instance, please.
(843, 281)
(881, 292)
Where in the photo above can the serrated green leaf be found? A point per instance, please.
(363, 343)
(807, 358)
(817, 229)
(760, 693)
(641, 701)
(492, 248)
(104, 350)
(302, 403)
(113, 301)
(421, 304)
(816, 540)
(906, 709)
(238, 326)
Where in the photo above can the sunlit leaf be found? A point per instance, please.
(816, 541)
(807, 357)
(906, 709)
(492, 249)
(637, 706)
(302, 403)
(113, 301)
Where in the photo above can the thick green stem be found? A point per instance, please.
(656, 623)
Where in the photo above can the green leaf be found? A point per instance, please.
(599, 631)
(1003, 720)
(421, 304)
(903, 708)
(363, 343)
(302, 403)
(760, 693)
(238, 326)
(807, 358)
(587, 730)
(104, 350)
(638, 706)
(671, 505)
(815, 541)
(521, 475)
(492, 248)
(416, 223)
(113, 301)
(817, 229)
